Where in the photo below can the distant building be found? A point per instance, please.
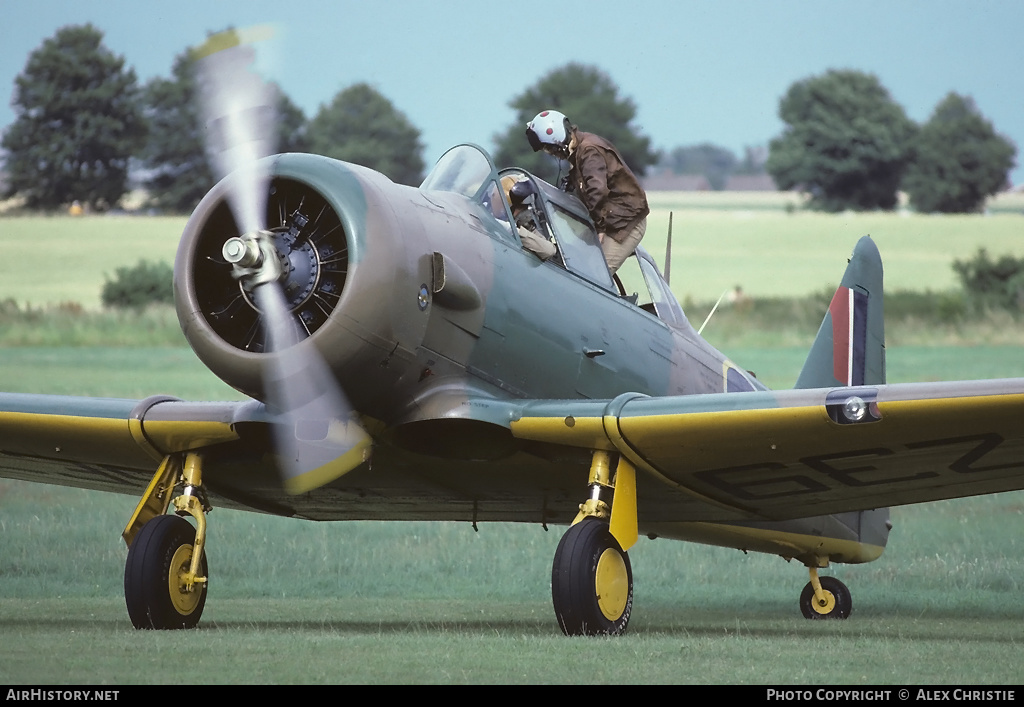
(750, 182)
(666, 180)
(670, 181)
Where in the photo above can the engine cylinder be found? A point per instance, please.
(314, 226)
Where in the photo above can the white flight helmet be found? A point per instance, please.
(549, 127)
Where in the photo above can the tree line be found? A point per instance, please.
(83, 123)
(849, 145)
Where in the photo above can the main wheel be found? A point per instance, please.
(837, 605)
(154, 589)
(591, 581)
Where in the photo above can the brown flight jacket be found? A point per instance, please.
(611, 193)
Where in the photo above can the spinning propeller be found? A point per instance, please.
(315, 432)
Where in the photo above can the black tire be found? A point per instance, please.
(591, 581)
(840, 602)
(162, 549)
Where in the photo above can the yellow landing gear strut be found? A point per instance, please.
(591, 578)
(825, 598)
(165, 576)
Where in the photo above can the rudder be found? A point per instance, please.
(850, 346)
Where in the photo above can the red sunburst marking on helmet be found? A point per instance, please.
(550, 131)
(544, 114)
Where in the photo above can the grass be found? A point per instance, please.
(438, 603)
(778, 368)
(70, 324)
(133, 372)
(720, 240)
(50, 260)
(766, 244)
(780, 254)
(329, 642)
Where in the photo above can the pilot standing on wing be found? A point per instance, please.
(613, 196)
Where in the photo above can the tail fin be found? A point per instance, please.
(850, 346)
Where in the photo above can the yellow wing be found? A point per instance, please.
(801, 453)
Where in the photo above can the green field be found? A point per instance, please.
(779, 254)
(724, 239)
(54, 259)
(720, 240)
(299, 602)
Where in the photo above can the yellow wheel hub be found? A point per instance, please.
(184, 601)
(611, 582)
(826, 607)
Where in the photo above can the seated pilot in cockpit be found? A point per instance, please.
(530, 233)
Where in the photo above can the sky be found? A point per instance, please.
(698, 71)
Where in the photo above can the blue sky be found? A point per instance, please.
(698, 70)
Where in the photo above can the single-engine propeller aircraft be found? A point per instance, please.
(408, 359)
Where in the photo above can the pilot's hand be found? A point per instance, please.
(600, 238)
(565, 185)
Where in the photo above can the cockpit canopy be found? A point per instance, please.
(562, 218)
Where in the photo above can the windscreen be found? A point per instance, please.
(580, 248)
(463, 169)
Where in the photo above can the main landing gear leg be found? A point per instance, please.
(165, 575)
(591, 578)
(825, 598)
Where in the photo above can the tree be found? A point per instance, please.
(714, 163)
(363, 127)
(179, 173)
(292, 126)
(145, 283)
(992, 283)
(753, 160)
(846, 142)
(179, 170)
(959, 160)
(589, 98)
(78, 123)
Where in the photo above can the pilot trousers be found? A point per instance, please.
(616, 251)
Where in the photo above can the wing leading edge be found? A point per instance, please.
(794, 454)
(106, 444)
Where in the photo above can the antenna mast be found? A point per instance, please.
(668, 251)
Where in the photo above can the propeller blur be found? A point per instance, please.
(316, 436)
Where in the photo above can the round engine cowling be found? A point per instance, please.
(314, 239)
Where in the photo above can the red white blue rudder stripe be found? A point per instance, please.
(850, 346)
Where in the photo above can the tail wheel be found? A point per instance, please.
(837, 603)
(154, 589)
(591, 581)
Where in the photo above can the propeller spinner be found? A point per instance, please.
(316, 435)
